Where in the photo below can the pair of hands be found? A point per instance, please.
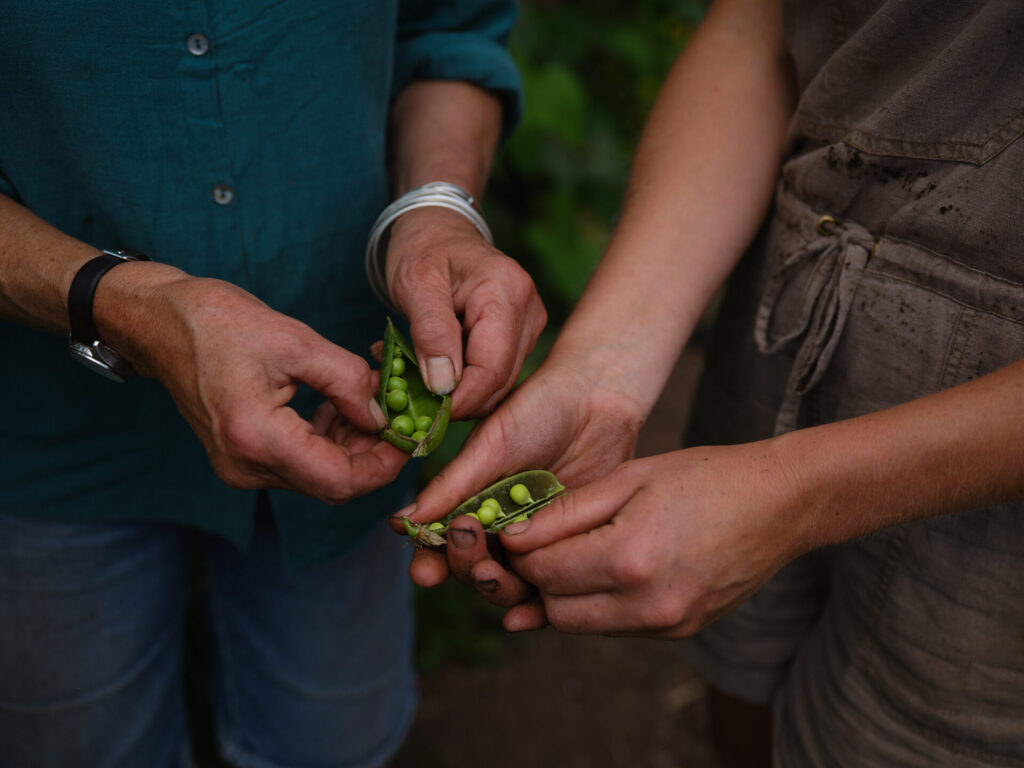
(232, 364)
(658, 547)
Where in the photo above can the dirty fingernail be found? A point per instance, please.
(515, 528)
(377, 414)
(440, 375)
(404, 512)
(490, 586)
(461, 538)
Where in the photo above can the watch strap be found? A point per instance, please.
(83, 290)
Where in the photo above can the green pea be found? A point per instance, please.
(403, 424)
(520, 494)
(437, 526)
(424, 423)
(486, 515)
(419, 435)
(491, 502)
(397, 365)
(397, 384)
(397, 400)
(474, 515)
(520, 518)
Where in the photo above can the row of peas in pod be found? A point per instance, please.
(417, 418)
(507, 501)
(397, 398)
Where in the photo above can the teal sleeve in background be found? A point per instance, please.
(463, 40)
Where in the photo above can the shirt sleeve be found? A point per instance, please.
(460, 40)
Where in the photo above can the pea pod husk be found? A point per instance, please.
(422, 402)
(542, 485)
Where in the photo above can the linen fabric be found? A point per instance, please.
(237, 140)
(902, 647)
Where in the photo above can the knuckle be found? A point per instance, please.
(359, 373)
(240, 435)
(631, 570)
(433, 323)
(422, 270)
(233, 476)
(662, 613)
(336, 498)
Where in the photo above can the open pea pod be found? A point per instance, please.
(417, 418)
(509, 500)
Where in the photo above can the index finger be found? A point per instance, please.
(315, 465)
(579, 511)
(344, 378)
(494, 355)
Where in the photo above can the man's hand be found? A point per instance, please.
(440, 270)
(233, 365)
(660, 547)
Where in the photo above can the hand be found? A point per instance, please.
(661, 546)
(561, 418)
(440, 269)
(232, 366)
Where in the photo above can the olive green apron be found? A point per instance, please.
(892, 267)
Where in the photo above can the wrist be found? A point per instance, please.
(439, 194)
(129, 309)
(619, 363)
(418, 229)
(837, 485)
(600, 378)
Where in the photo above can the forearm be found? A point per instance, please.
(955, 450)
(443, 131)
(701, 182)
(37, 264)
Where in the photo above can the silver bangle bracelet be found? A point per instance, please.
(438, 194)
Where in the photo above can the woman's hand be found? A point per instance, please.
(659, 547)
(561, 419)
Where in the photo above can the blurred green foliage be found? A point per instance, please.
(591, 71)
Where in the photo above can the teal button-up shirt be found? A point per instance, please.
(237, 140)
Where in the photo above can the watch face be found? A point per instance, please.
(101, 359)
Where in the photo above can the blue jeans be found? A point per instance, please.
(310, 668)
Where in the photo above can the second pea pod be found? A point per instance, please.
(507, 501)
(417, 418)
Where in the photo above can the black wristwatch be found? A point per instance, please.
(86, 345)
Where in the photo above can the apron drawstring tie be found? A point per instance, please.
(840, 255)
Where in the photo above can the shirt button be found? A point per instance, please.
(223, 194)
(198, 44)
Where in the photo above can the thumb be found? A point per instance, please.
(481, 461)
(436, 333)
(346, 380)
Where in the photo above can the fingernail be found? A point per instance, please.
(404, 512)
(515, 528)
(490, 586)
(377, 414)
(440, 375)
(461, 538)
